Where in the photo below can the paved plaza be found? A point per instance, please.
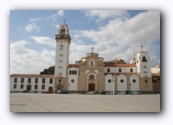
(34, 102)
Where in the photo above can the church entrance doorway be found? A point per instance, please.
(91, 87)
(50, 90)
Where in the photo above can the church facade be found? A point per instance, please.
(90, 73)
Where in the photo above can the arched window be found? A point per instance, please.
(70, 72)
(119, 69)
(75, 72)
(144, 59)
(108, 70)
(131, 70)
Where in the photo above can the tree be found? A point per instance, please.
(48, 71)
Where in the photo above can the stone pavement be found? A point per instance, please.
(33, 102)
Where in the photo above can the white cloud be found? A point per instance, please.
(99, 15)
(28, 61)
(35, 19)
(57, 26)
(77, 51)
(121, 38)
(31, 27)
(44, 40)
(60, 12)
(55, 16)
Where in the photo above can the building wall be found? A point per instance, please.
(156, 82)
(134, 86)
(146, 86)
(72, 85)
(97, 70)
(121, 86)
(156, 69)
(61, 58)
(143, 68)
(109, 85)
(123, 69)
(47, 84)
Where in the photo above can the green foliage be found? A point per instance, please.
(48, 71)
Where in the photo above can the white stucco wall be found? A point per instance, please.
(47, 84)
(140, 65)
(61, 55)
(134, 86)
(109, 86)
(155, 70)
(73, 85)
(121, 86)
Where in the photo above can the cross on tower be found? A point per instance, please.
(64, 21)
(142, 48)
(134, 55)
(92, 49)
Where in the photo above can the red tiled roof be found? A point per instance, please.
(73, 65)
(32, 76)
(120, 65)
(108, 65)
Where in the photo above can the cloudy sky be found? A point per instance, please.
(112, 33)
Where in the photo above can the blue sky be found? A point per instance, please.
(113, 33)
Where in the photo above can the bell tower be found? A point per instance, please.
(63, 41)
(143, 65)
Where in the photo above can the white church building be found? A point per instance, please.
(91, 73)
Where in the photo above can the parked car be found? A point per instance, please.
(33, 91)
(62, 91)
(25, 91)
(90, 92)
(122, 93)
(135, 93)
(59, 92)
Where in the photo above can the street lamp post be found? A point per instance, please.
(113, 84)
